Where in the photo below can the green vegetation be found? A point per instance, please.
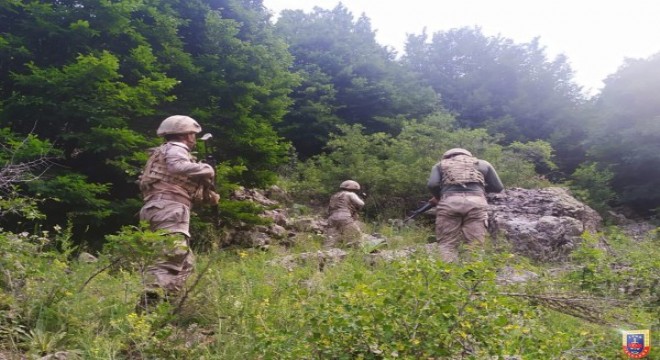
(394, 170)
(91, 81)
(244, 303)
(306, 102)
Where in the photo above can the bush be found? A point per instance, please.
(591, 184)
(394, 170)
(245, 305)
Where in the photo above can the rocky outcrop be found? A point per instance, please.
(282, 227)
(542, 224)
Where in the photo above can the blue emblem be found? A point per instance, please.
(637, 343)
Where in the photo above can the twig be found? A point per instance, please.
(113, 263)
(179, 306)
(582, 307)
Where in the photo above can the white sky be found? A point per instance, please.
(595, 35)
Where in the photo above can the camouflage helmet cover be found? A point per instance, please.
(455, 151)
(349, 185)
(178, 124)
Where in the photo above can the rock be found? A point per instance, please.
(639, 230)
(309, 224)
(279, 216)
(509, 275)
(391, 255)
(321, 258)
(542, 224)
(277, 231)
(252, 195)
(253, 238)
(276, 193)
(61, 355)
(86, 257)
(282, 230)
(373, 241)
(618, 219)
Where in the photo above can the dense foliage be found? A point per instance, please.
(92, 79)
(509, 88)
(95, 78)
(248, 304)
(394, 169)
(84, 84)
(624, 133)
(348, 78)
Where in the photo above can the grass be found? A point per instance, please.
(247, 306)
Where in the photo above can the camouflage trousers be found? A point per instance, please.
(173, 268)
(342, 231)
(461, 218)
(171, 271)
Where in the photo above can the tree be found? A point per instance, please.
(95, 78)
(347, 78)
(80, 72)
(237, 83)
(624, 133)
(22, 161)
(394, 169)
(509, 88)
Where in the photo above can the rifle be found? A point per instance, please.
(210, 159)
(424, 208)
(208, 156)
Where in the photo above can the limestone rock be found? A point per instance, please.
(543, 224)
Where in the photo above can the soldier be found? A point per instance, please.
(343, 227)
(459, 183)
(171, 182)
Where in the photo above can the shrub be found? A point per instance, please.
(394, 170)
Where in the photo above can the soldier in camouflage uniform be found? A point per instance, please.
(459, 183)
(343, 226)
(170, 183)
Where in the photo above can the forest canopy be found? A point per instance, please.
(85, 83)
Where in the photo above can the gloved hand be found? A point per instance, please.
(363, 195)
(204, 195)
(213, 198)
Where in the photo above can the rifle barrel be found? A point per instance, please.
(424, 208)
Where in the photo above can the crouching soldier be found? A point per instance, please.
(343, 225)
(171, 182)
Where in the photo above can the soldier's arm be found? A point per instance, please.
(435, 181)
(355, 199)
(493, 182)
(178, 161)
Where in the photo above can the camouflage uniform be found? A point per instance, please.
(459, 183)
(169, 182)
(343, 227)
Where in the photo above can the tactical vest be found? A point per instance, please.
(156, 170)
(341, 202)
(461, 170)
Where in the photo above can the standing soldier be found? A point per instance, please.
(459, 183)
(171, 181)
(343, 226)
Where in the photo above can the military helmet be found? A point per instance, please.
(178, 124)
(455, 151)
(349, 185)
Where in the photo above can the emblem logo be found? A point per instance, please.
(636, 343)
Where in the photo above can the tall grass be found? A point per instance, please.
(246, 305)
